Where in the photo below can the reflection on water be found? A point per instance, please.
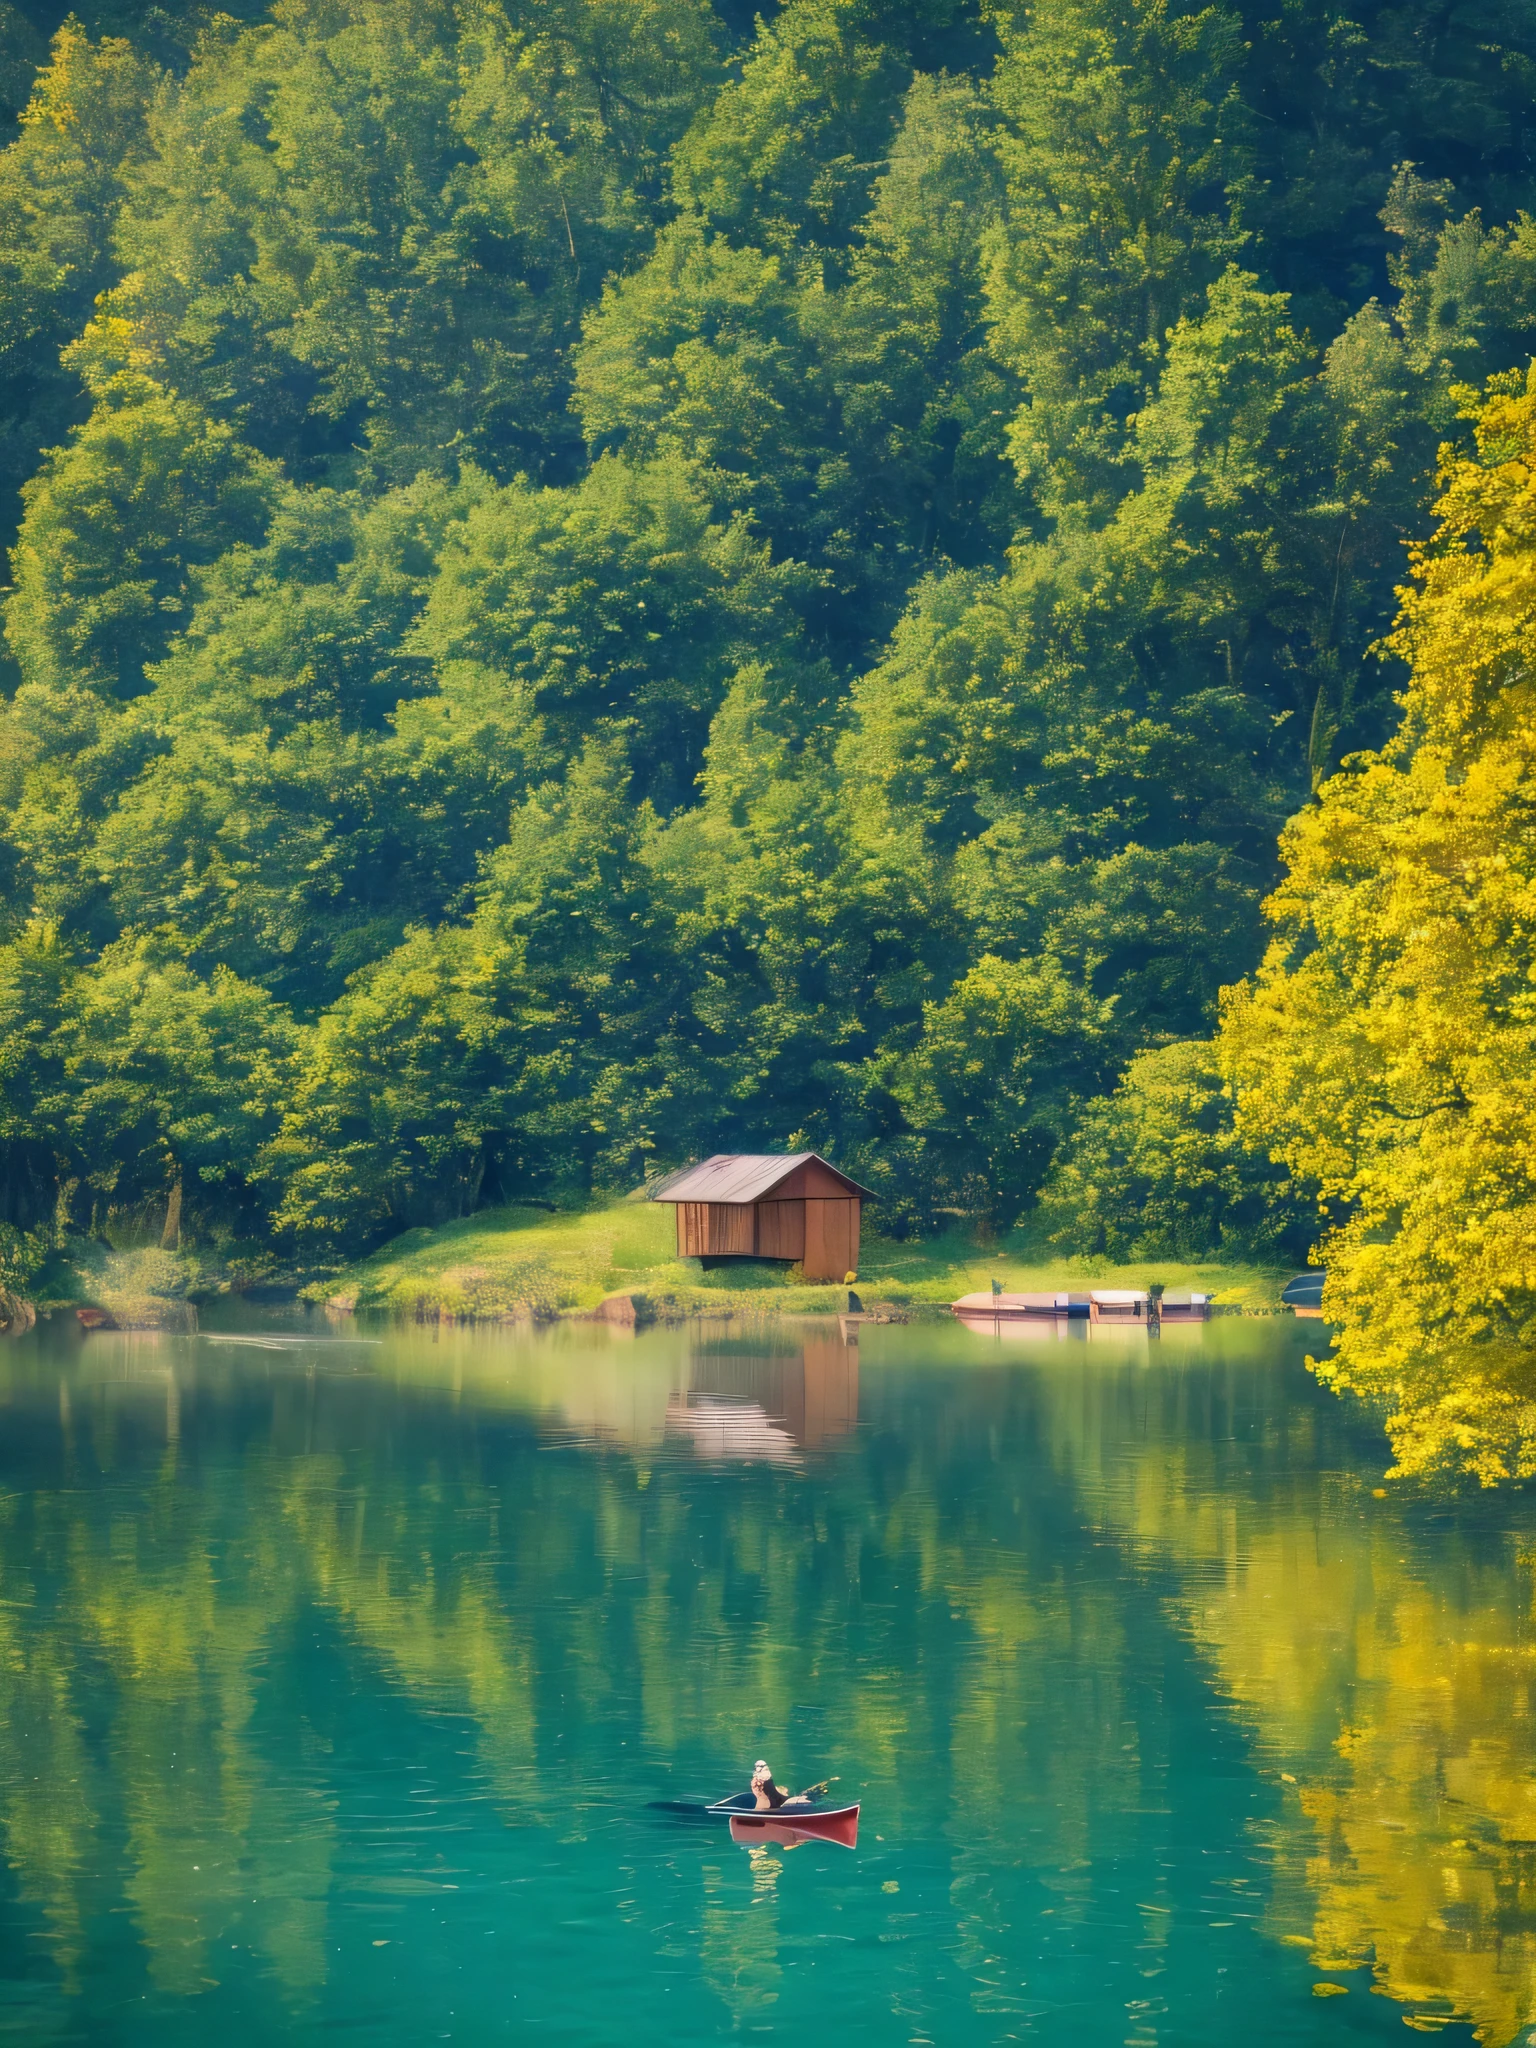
(742, 1404)
(1386, 1665)
(334, 1678)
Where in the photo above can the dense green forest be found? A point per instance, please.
(598, 581)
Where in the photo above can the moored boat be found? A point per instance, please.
(1118, 1305)
(1186, 1308)
(1303, 1296)
(1012, 1308)
(1122, 1307)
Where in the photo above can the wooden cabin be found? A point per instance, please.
(768, 1205)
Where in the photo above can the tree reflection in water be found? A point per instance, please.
(232, 1581)
(1384, 1658)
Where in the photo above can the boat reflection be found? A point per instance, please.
(1035, 1329)
(1048, 1329)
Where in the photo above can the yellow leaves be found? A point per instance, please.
(1386, 1045)
(1465, 628)
(52, 102)
(116, 357)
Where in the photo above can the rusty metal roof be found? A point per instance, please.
(740, 1177)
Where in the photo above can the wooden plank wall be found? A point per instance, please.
(822, 1233)
(781, 1230)
(831, 1238)
(715, 1230)
(733, 1228)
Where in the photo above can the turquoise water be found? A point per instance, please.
(337, 1676)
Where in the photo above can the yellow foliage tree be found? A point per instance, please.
(1387, 1047)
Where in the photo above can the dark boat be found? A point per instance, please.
(838, 1824)
(1303, 1296)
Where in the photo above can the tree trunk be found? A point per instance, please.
(17, 1315)
(170, 1237)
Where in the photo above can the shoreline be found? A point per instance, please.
(521, 1265)
(614, 1263)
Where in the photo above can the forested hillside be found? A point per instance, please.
(600, 580)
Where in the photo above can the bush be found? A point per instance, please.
(22, 1256)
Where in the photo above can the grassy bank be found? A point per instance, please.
(143, 1287)
(509, 1262)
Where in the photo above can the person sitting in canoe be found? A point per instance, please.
(768, 1797)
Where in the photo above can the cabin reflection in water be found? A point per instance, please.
(751, 1406)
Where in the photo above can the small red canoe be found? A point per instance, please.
(840, 1825)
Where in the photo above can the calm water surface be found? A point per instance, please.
(337, 1675)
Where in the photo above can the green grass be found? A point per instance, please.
(142, 1288)
(517, 1262)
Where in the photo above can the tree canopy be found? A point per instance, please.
(1386, 1045)
(606, 580)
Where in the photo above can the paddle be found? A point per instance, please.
(815, 1791)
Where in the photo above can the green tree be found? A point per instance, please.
(406, 1087)
(860, 426)
(138, 1080)
(378, 223)
(800, 939)
(699, 352)
(922, 401)
(1341, 101)
(1155, 1171)
(1125, 143)
(599, 983)
(285, 823)
(37, 1171)
(149, 490)
(62, 185)
(989, 1084)
(782, 157)
(623, 598)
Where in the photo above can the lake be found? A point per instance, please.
(338, 1676)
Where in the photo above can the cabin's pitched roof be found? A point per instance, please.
(741, 1177)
